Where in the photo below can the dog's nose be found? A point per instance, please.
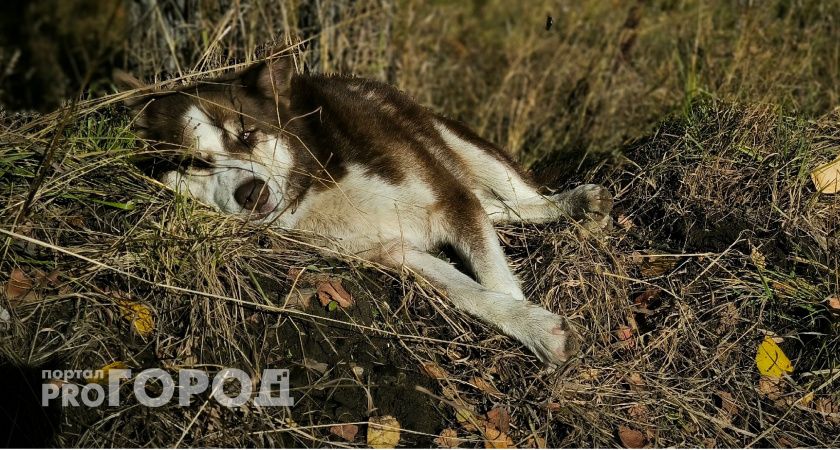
(252, 195)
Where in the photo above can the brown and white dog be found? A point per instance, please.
(361, 163)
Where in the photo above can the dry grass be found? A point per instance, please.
(706, 119)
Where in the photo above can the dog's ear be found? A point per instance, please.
(138, 99)
(126, 81)
(272, 78)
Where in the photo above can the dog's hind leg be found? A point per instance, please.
(507, 195)
(546, 334)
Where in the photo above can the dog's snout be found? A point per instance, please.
(252, 195)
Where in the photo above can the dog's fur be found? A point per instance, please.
(360, 162)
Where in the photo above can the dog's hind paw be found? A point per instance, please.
(588, 201)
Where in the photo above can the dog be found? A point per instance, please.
(361, 163)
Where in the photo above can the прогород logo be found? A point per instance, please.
(273, 388)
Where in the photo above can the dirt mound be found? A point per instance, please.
(720, 240)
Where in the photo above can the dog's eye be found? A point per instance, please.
(246, 136)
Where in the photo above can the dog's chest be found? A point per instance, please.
(364, 210)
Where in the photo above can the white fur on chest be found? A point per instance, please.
(364, 211)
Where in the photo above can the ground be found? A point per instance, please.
(704, 119)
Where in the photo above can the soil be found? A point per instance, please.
(341, 396)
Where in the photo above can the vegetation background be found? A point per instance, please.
(704, 118)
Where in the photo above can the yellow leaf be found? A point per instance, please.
(827, 178)
(383, 432)
(102, 376)
(806, 399)
(139, 315)
(771, 360)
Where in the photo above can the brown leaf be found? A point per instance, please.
(345, 431)
(448, 439)
(654, 265)
(494, 438)
(631, 438)
(484, 386)
(826, 406)
(728, 402)
(635, 379)
(833, 303)
(638, 412)
(317, 366)
(770, 387)
(499, 418)
(644, 299)
(590, 374)
(19, 285)
(332, 290)
(434, 371)
(625, 337)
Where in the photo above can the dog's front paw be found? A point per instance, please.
(549, 336)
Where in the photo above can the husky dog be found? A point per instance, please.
(361, 163)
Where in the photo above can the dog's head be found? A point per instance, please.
(221, 141)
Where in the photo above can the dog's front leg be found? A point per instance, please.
(546, 334)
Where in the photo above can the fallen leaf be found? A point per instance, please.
(787, 442)
(484, 386)
(625, 337)
(312, 364)
(19, 287)
(499, 417)
(654, 265)
(102, 376)
(728, 402)
(332, 291)
(631, 438)
(806, 399)
(4, 315)
(138, 314)
(345, 431)
(494, 438)
(833, 303)
(590, 374)
(828, 407)
(635, 379)
(770, 387)
(643, 300)
(638, 412)
(383, 432)
(771, 360)
(826, 178)
(448, 438)
(434, 371)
